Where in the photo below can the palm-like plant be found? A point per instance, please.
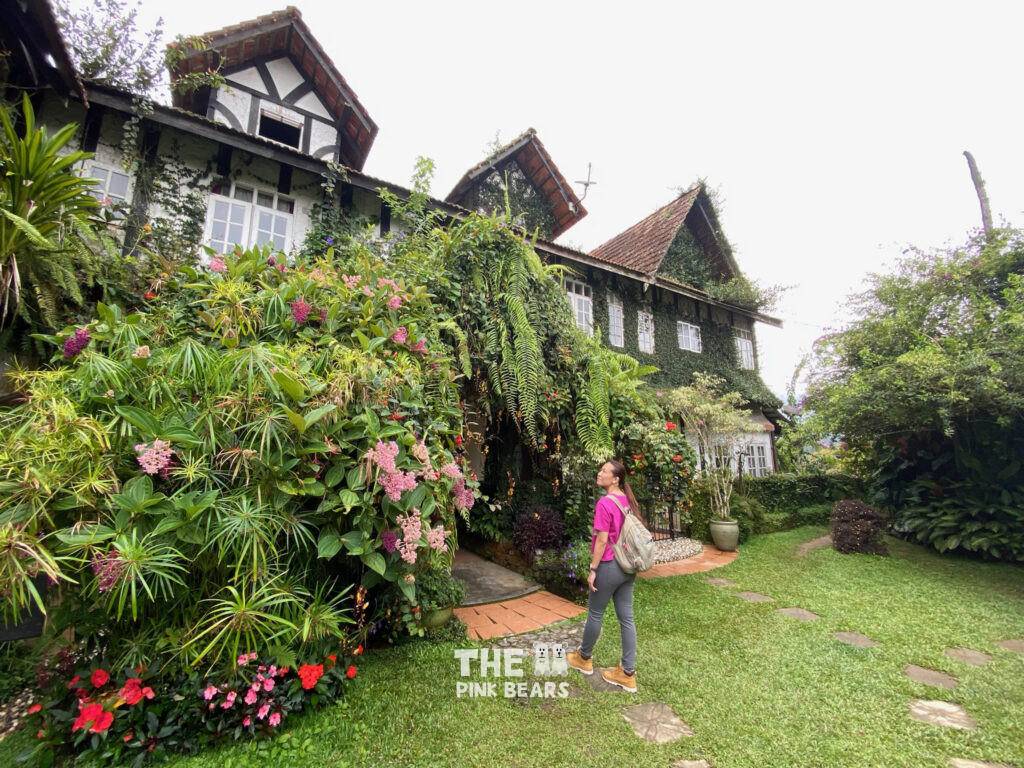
(40, 197)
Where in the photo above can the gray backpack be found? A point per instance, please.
(634, 550)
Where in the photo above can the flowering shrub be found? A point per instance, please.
(660, 463)
(143, 714)
(565, 572)
(204, 471)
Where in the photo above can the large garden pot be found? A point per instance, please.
(437, 617)
(725, 534)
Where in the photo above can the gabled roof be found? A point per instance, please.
(643, 246)
(285, 33)
(531, 156)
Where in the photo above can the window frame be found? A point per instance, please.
(251, 225)
(642, 314)
(690, 327)
(745, 349)
(757, 460)
(619, 332)
(577, 290)
(101, 191)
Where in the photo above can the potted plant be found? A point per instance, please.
(717, 424)
(437, 593)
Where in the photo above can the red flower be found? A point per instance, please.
(669, 426)
(332, 658)
(99, 678)
(358, 651)
(132, 692)
(74, 680)
(35, 708)
(91, 714)
(350, 673)
(149, 295)
(310, 673)
(128, 736)
(677, 457)
(458, 440)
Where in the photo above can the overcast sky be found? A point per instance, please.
(833, 133)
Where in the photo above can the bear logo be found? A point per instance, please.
(559, 666)
(541, 661)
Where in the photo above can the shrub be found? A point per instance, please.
(789, 493)
(538, 527)
(437, 588)
(815, 514)
(565, 573)
(857, 527)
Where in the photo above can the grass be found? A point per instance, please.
(759, 689)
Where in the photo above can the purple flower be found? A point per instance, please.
(323, 316)
(947, 276)
(75, 344)
(330, 241)
(300, 311)
(390, 541)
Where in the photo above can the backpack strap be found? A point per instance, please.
(624, 510)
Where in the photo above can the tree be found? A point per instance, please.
(928, 384)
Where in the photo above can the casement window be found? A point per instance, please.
(757, 460)
(280, 129)
(645, 332)
(112, 189)
(582, 303)
(616, 335)
(689, 336)
(245, 216)
(745, 348)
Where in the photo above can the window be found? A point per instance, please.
(582, 304)
(112, 189)
(689, 336)
(645, 332)
(240, 215)
(616, 336)
(757, 461)
(745, 347)
(278, 129)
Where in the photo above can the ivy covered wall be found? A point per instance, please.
(677, 366)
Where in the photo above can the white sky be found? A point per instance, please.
(833, 133)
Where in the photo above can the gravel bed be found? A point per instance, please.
(670, 550)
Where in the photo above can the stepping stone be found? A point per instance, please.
(656, 722)
(692, 764)
(955, 762)
(1014, 645)
(967, 656)
(807, 547)
(942, 713)
(598, 683)
(856, 639)
(930, 677)
(799, 614)
(754, 597)
(716, 582)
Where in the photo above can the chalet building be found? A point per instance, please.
(251, 158)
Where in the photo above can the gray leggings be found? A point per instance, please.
(612, 583)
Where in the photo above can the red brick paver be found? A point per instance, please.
(541, 609)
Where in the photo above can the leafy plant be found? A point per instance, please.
(536, 528)
(437, 588)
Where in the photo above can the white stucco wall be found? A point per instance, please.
(237, 102)
(322, 134)
(249, 78)
(285, 76)
(311, 103)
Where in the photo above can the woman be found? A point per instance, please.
(608, 581)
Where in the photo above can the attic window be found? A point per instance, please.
(280, 130)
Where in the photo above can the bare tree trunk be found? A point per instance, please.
(979, 187)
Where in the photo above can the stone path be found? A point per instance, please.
(656, 722)
(717, 582)
(692, 764)
(942, 713)
(488, 582)
(810, 546)
(968, 656)
(855, 639)
(1013, 645)
(799, 614)
(958, 763)
(930, 677)
(753, 597)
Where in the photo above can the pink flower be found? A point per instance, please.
(367, 290)
(451, 469)
(436, 537)
(229, 700)
(268, 684)
(400, 335)
(243, 660)
(250, 697)
(351, 281)
(395, 302)
(396, 482)
(280, 267)
(383, 455)
(108, 569)
(75, 344)
(246, 721)
(420, 347)
(262, 712)
(156, 458)
(464, 498)
(390, 541)
(273, 670)
(210, 692)
(323, 316)
(217, 265)
(300, 311)
(383, 281)
(275, 719)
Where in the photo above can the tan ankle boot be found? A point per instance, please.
(619, 677)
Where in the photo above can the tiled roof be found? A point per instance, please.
(529, 153)
(643, 246)
(284, 32)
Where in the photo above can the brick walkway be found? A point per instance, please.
(541, 609)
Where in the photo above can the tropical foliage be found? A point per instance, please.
(928, 385)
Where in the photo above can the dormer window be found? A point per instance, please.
(277, 128)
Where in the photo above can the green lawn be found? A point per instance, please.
(759, 689)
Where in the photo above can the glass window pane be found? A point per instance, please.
(265, 221)
(262, 237)
(118, 185)
(241, 193)
(238, 214)
(280, 226)
(262, 198)
(279, 242)
(287, 206)
(220, 210)
(235, 234)
(218, 230)
(100, 174)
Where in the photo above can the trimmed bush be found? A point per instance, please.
(857, 527)
(539, 527)
(816, 514)
(790, 493)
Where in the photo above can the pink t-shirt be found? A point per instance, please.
(608, 517)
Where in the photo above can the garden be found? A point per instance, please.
(234, 485)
